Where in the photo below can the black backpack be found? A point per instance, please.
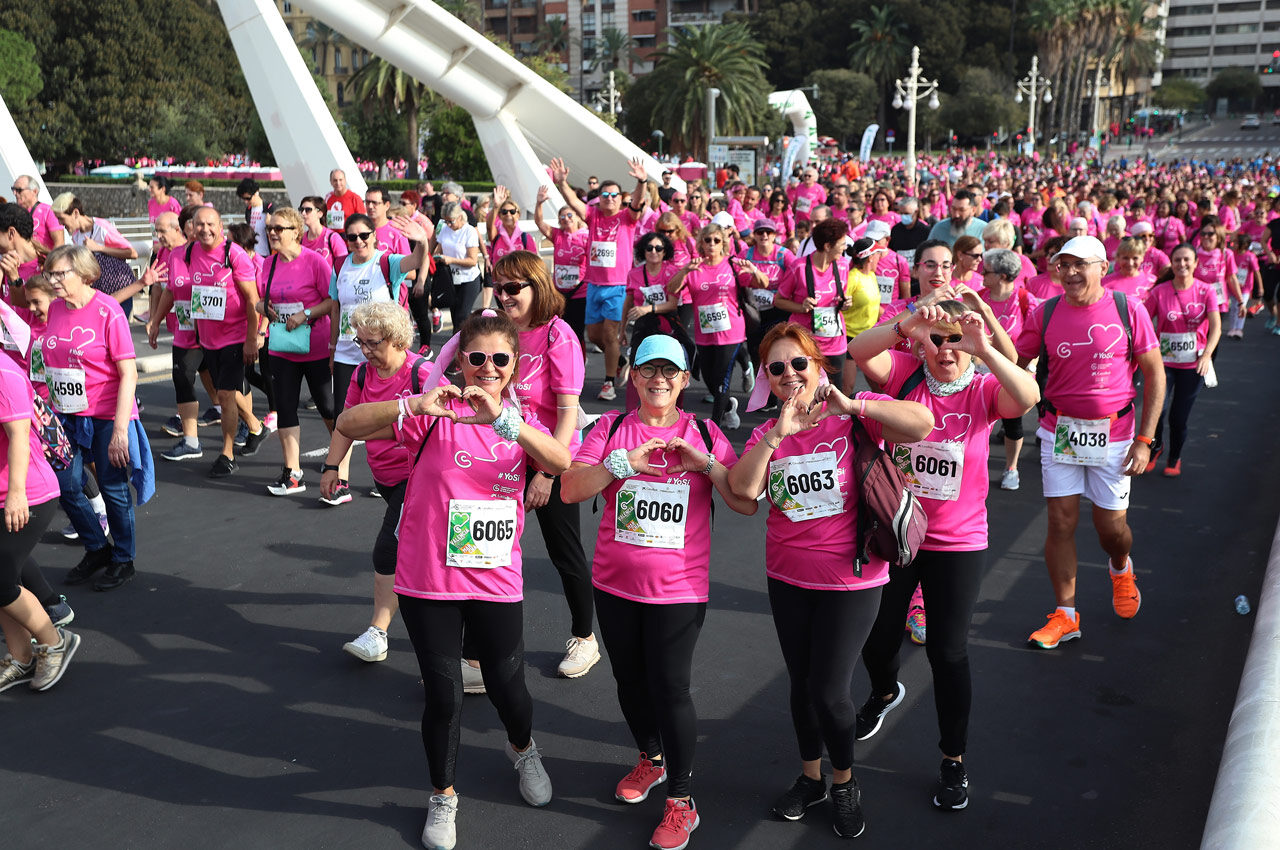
(415, 380)
(1042, 364)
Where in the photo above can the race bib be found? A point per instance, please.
(288, 308)
(9, 343)
(1178, 348)
(66, 389)
(826, 323)
(762, 298)
(713, 318)
(933, 469)
(604, 255)
(182, 311)
(481, 533)
(651, 514)
(656, 294)
(805, 487)
(888, 287)
(37, 371)
(336, 218)
(566, 277)
(804, 204)
(1082, 442)
(1242, 277)
(208, 303)
(909, 256)
(345, 331)
(1221, 291)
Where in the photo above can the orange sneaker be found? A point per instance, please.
(1126, 599)
(1059, 628)
(1173, 470)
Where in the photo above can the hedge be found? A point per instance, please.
(393, 185)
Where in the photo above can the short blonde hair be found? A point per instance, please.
(999, 231)
(292, 216)
(63, 202)
(81, 259)
(387, 319)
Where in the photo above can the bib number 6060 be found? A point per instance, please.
(659, 511)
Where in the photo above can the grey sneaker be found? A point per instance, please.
(472, 679)
(60, 613)
(370, 646)
(535, 785)
(732, 421)
(440, 832)
(12, 673)
(52, 661)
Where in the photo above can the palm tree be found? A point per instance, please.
(321, 38)
(1137, 50)
(1047, 21)
(722, 56)
(380, 82)
(614, 46)
(554, 37)
(880, 48)
(464, 10)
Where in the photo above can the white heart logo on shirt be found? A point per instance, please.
(530, 366)
(82, 338)
(1101, 338)
(964, 420)
(840, 446)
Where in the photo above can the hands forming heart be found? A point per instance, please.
(435, 403)
(691, 459)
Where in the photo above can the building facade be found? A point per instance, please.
(1203, 38)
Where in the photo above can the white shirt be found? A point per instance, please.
(454, 244)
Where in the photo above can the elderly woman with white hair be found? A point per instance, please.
(1010, 304)
(1001, 234)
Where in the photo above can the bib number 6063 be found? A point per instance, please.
(812, 482)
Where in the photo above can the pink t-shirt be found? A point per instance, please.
(817, 552)
(461, 465)
(303, 281)
(17, 404)
(714, 292)
(44, 223)
(1246, 269)
(1011, 313)
(805, 198)
(609, 248)
(1043, 287)
(570, 261)
(646, 288)
(389, 460)
(329, 244)
(1176, 311)
(1214, 267)
(91, 339)
(155, 209)
(692, 222)
(1154, 262)
(785, 223)
(504, 243)
(1169, 233)
(964, 421)
(387, 238)
(645, 573)
(1135, 287)
(178, 320)
(1090, 371)
(828, 287)
(891, 270)
(207, 270)
(551, 364)
(1229, 217)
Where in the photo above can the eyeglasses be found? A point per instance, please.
(512, 287)
(931, 265)
(359, 237)
(372, 203)
(57, 277)
(277, 229)
(305, 210)
(666, 232)
(1075, 268)
(711, 240)
(610, 194)
(508, 212)
(798, 364)
(650, 370)
(656, 246)
(977, 256)
(501, 359)
(939, 339)
(368, 344)
(19, 189)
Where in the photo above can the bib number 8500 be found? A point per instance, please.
(812, 482)
(490, 529)
(659, 511)
(936, 466)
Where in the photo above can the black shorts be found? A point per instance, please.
(226, 367)
(1270, 279)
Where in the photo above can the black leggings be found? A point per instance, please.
(420, 310)
(465, 297)
(1181, 388)
(820, 633)
(386, 545)
(258, 375)
(495, 629)
(286, 381)
(15, 552)
(1013, 429)
(575, 313)
(650, 648)
(950, 582)
(715, 362)
(342, 373)
(33, 580)
(186, 363)
(561, 532)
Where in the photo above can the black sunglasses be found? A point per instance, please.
(501, 359)
(655, 246)
(359, 237)
(511, 288)
(508, 212)
(798, 364)
(939, 339)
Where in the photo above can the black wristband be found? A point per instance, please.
(548, 475)
(328, 467)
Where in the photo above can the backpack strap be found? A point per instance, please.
(360, 373)
(384, 263)
(423, 444)
(913, 380)
(809, 286)
(415, 380)
(1122, 307)
(1042, 364)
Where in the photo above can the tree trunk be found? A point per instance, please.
(411, 116)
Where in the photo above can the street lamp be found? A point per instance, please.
(659, 135)
(1028, 85)
(907, 92)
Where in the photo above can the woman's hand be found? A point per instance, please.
(16, 512)
(328, 483)
(538, 492)
(412, 230)
(636, 312)
(1203, 363)
(118, 449)
(486, 407)
(544, 192)
(639, 457)
(791, 417)
(828, 401)
(694, 264)
(921, 322)
(691, 459)
(559, 171)
(93, 245)
(974, 341)
(435, 402)
(500, 196)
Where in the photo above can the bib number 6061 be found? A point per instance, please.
(936, 466)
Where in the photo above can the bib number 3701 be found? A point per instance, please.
(1082, 442)
(481, 533)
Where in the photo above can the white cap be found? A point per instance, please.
(877, 230)
(724, 220)
(1082, 248)
(1141, 229)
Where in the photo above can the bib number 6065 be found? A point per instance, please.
(491, 529)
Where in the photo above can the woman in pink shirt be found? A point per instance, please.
(779, 212)
(824, 600)
(161, 201)
(1216, 265)
(967, 251)
(1249, 280)
(657, 467)
(459, 563)
(504, 233)
(569, 261)
(1009, 304)
(882, 208)
(1169, 229)
(1129, 277)
(316, 237)
(109, 248)
(819, 308)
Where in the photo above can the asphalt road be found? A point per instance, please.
(211, 706)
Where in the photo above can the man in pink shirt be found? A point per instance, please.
(1088, 351)
(18, 258)
(807, 195)
(377, 201)
(341, 202)
(48, 231)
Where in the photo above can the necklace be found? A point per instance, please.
(939, 388)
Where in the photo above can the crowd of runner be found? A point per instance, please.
(960, 304)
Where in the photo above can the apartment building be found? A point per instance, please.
(1202, 38)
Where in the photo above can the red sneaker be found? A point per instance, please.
(1173, 470)
(678, 822)
(642, 779)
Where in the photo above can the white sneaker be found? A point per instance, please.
(607, 392)
(708, 399)
(472, 680)
(732, 421)
(581, 654)
(748, 380)
(535, 785)
(1009, 480)
(370, 646)
(440, 832)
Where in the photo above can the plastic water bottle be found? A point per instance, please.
(1242, 604)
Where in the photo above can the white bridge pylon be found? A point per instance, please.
(522, 120)
(15, 159)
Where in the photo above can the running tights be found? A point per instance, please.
(1181, 388)
(562, 534)
(715, 362)
(16, 566)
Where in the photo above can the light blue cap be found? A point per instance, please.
(661, 347)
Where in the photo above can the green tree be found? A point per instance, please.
(547, 66)
(375, 134)
(1239, 86)
(846, 102)
(554, 36)
(1137, 48)
(722, 56)
(464, 10)
(797, 35)
(320, 39)
(982, 105)
(381, 83)
(20, 78)
(880, 48)
(1178, 93)
(453, 146)
(614, 48)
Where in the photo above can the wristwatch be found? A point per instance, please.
(328, 467)
(548, 475)
(307, 312)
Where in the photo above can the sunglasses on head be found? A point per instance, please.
(359, 237)
(798, 364)
(511, 288)
(501, 359)
(939, 339)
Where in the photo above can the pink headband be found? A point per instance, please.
(760, 395)
(450, 351)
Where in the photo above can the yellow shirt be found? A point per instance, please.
(862, 305)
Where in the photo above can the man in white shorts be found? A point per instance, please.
(1088, 349)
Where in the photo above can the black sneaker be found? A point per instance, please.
(60, 613)
(211, 417)
(89, 564)
(952, 790)
(872, 713)
(253, 442)
(116, 575)
(173, 426)
(846, 809)
(795, 800)
(222, 467)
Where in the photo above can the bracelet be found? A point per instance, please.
(507, 425)
(711, 462)
(1147, 441)
(547, 475)
(897, 329)
(773, 446)
(911, 308)
(618, 464)
(862, 411)
(328, 467)
(403, 405)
